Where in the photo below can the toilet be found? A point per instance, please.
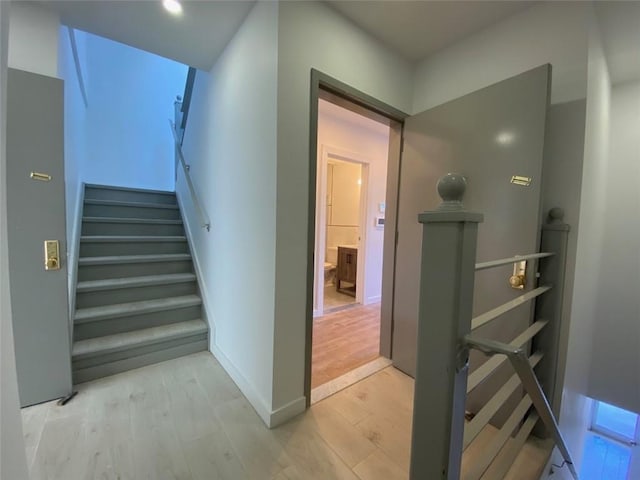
(329, 274)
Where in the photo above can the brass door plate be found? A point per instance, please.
(519, 277)
(51, 255)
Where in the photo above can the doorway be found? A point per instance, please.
(353, 146)
(342, 211)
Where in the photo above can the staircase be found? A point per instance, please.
(137, 299)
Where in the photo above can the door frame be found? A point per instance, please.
(330, 152)
(325, 86)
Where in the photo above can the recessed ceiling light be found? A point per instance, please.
(172, 6)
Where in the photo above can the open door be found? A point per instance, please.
(490, 136)
(36, 214)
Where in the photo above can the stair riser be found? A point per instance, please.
(135, 351)
(105, 249)
(99, 272)
(91, 373)
(98, 228)
(130, 212)
(125, 295)
(110, 326)
(96, 193)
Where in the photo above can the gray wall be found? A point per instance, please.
(617, 310)
(13, 463)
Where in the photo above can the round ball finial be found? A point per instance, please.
(178, 98)
(451, 189)
(556, 215)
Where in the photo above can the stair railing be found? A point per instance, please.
(186, 168)
(445, 323)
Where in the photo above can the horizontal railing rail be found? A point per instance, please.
(487, 317)
(512, 260)
(202, 214)
(521, 364)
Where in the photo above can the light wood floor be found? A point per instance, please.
(185, 419)
(343, 341)
(333, 298)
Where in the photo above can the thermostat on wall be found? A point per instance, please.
(379, 222)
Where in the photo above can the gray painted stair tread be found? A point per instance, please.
(132, 238)
(115, 259)
(134, 308)
(132, 282)
(137, 338)
(128, 189)
(153, 221)
(122, 203)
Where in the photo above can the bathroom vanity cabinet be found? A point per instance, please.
(346, 270)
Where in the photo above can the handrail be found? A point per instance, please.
(486, 317)
(514, 259)
(186, 98)
(204, 218)
(518, 358)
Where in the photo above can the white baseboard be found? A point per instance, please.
(256, 401)
(287, 412)
(374, 299)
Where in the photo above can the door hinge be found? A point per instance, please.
(402, 144)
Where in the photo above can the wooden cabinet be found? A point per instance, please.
(347, 270)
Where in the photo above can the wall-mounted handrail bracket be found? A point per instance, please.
(204, 218)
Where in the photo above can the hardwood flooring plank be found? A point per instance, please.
(343, 341)
(345, 439)
(33, 420)
(158, 453)
(257, 447)
(313, 457)
(379, 466)
(393, 438)
(212, 458)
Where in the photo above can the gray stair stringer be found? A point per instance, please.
(137, 297)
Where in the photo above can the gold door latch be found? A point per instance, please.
(519, 277)
(51, 255)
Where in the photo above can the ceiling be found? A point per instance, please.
(620, 28)
(196, 38)
(416, 29)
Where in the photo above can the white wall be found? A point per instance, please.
(553, 32)
(75, 148)
(345, 130)
(312, 35)
(13, 463)
(617, 308)
(576, 405)
(230, 142)
(33, 39)
(131, 93)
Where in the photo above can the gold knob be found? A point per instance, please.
(52, 263)
(517, 281)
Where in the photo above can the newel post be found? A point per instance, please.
(552, 340)
(446, 298)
